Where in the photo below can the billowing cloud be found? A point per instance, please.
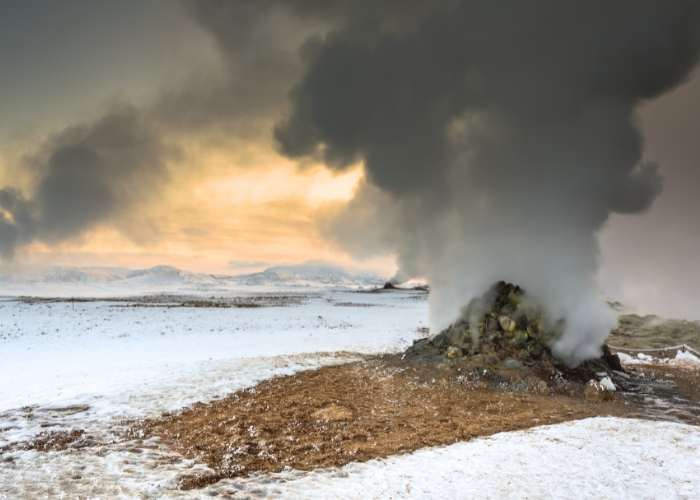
(86, 175)
(501, 136)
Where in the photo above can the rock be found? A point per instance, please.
(461, 324)
(454, 352)
(448, 337)
(333, 413)
(613, 360)
(521, 322)
(483, 359)
(504, 289)
(492, 338)
(520, 337)
(594, 392)
(507, 324)
(508, 310)
(512, 364)
(495, 324)
(543, 389)
(532, 331)
(490, 359)
(514, 296)
(441, 340)
(597, 393)
(491, 324)
(608, 384)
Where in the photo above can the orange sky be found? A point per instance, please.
(226, 218)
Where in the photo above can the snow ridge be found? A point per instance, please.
(323, 274)
(78, 280)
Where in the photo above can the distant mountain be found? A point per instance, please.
(66, 274)
(165, 275)
(158, 275)
(311, 274)
(60, 274)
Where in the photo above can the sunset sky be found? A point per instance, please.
(222, 198)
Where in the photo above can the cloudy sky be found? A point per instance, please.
(221, 195)
(177, 132)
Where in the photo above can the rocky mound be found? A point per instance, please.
(503, 331)
(502, 323)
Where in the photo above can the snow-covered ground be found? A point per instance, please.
(683, 358)
(110, 361)
(63, 352)
(596, 458)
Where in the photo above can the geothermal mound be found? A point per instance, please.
(505, 328)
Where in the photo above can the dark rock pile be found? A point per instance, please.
(501, 324)
(503, 337)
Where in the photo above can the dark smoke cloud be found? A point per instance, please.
(389, 98)
(17, 221)
(86, 175)
(258, 43)
(8, 237)
(501, 133)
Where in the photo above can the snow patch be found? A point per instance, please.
(686, 359)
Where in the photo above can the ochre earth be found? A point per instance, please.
(351, 413)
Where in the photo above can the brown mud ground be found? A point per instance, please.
(356, 412)
(49, 440)
(168, 300)
(653, 332)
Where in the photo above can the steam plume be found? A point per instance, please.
(497, 137)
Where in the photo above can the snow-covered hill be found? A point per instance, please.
(63, 274)
(158, 275)
(167, 275)
(311, 274)
(60, 274)
(117, 281)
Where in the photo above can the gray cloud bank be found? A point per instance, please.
(85, 175)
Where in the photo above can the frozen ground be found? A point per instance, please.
(63, 353)
(90, 365)
(593, 458)
(600, 458)
(115, 360)
(686, 359)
